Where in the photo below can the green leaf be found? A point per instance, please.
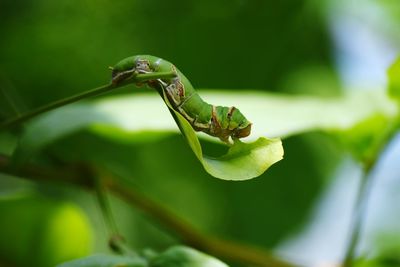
(180, 256)
(104, 260)
(243, 161)
(272, 114)
(394, 80)
(275, 114)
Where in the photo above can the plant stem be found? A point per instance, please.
(105, 207)
(26, 116)
(118, 244)
(93, 92)
(77, 175)
(361, 204)
(116, 241)
(364, 191)
(223, 249)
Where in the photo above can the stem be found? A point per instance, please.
(26, 116)
(361, 204)
(118, 244)
(93, 92)
(105, 207)
(78, 175)
(189, 235)
(116, 241)
(365, 189)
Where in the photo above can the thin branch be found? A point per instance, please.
(26, 116)
(183, 230)
(360, 208)
(93, 92)
(365, 189)
(116, 241)
(105, 206)
(189, 235)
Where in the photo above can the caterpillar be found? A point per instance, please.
(218, 121)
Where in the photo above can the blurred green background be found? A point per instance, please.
(54, 49)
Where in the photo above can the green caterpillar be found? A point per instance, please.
(218, 121)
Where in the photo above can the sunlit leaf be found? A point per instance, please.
(272, 114)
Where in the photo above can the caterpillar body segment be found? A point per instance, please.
(219, 121)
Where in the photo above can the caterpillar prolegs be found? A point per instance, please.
(219, 121)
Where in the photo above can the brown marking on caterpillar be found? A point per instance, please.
(179, 85)
(214, 118)
(215, 126)
(153, 83)
(198, 126)
(173, 95)
(230, 112)
(176, 92)
(223, 133)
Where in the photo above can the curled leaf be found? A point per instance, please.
(243, 161)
